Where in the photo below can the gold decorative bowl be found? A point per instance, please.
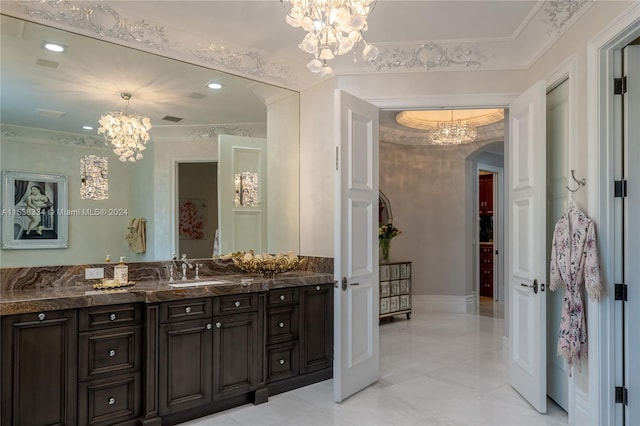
(108, 284)
(265, 264)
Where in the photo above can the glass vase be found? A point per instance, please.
(385, 245)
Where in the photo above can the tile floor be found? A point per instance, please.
(436, 369)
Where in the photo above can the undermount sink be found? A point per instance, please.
(197, 283)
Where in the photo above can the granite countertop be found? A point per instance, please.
(83, 295)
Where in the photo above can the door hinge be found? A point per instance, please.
(622, 395)
(620, 85)
(620, 292)
(620, 188)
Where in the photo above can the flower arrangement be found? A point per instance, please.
(385, 234)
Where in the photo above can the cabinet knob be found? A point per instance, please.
(112, 352)
(218, 324)
(282, 297)
(112, 401)
(317, 288)
(112, 317)
(237, 304)
(188, 309)
(209, 326)
(281, 325)
(41, 317)
(281, 362)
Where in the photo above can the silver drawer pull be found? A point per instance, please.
(237, 304)
(281, 325)
(218, 324)
(41, 317)
(282, 297)
(188, 309)
(209, 326)
(112, 317)
(112, 401)
(112, 352)
(281, 362)
(317, 288)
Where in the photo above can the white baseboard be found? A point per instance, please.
(445, 303)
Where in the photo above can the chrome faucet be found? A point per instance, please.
(185, 264)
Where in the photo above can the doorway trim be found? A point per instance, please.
(601, 135)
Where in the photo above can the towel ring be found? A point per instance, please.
(581, 182)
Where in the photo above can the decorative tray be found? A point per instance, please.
(110, 284)
(267, 265)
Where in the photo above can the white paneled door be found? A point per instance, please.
(526, 246)
(356, 362)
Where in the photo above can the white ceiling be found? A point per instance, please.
(251, 38)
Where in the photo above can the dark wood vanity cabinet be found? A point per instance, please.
(316, 323)
(109, 364)
(39, 368)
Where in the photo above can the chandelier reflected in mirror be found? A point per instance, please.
(334, 27)
(128, 133)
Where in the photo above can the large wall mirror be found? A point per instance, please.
(47, 98)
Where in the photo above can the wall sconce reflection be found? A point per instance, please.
(246, 189)
(94, 173)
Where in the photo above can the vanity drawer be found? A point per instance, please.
(102, 317)
(282, 361)
(183, 310)
(109, 351)
(109, 401)
(282, 324)
(235, 303)
(282, 296)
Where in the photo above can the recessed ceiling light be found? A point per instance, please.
(53, 47)
(214, 85)
(87, 127)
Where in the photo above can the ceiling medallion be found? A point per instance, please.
(430, 55)
(561, 12)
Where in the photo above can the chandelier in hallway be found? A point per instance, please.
(334, 27)
(127, 132)
(453, 132)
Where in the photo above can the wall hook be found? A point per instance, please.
(581, 182)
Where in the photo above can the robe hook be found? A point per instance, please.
(581, 182)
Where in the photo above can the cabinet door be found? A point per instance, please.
(185, 353)
(316, 331)
(235, 357)
(39, 368)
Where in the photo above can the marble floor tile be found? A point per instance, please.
(435, 369)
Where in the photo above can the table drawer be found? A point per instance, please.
(282, 361)
(110, 351)
(109, 401)
(101, 317)
(188, 309)
(282, 296)
(235, 303)
(282, 324)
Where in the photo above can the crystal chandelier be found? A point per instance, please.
(453, 132)
(128, 133)
(94, 180)
(334, 27)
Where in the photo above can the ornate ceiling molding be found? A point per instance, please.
(107, 23)
(428, 56)
(218, 129)
(559, 13)
(8, 131)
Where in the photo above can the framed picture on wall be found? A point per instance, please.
(34, 210)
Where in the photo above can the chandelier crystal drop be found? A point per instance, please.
(127, 132)
(453, 133)
(334, 27)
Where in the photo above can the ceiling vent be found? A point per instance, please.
(196, 95)
(47, 63)
(171, 118)
(50, 113)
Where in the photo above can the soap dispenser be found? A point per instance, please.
(121, 272)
